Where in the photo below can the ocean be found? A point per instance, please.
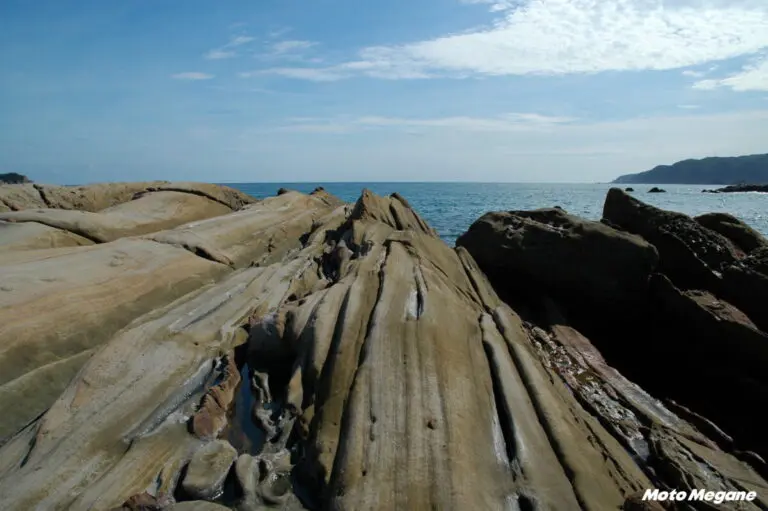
(452, 207)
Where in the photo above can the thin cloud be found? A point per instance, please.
(228, 51)
(689, 107)
(753, 77)
(505, 123)
(192, 76)
(291, 46)
(581, 36)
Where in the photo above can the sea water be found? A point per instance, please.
(452, 207)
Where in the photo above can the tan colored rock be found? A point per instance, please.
(93, 197)
(143, 385)
(208, 469)
(412, 385)
(99, 196)
(33, 236)
(260, 233)
(233, 199)
(18, 197)
(149, 213)
(58, 303)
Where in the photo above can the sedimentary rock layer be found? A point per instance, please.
(380, 365)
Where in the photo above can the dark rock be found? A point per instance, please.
(572, 259)
(142, 502)
(318, 190)
(635, 502)
(745, 283)
(741, 234)
(742, 188)
(690, 254)
(629, 189)
(657, 190)
(711, 357)
(283, 191)
(13, 178)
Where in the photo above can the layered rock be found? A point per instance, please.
(105, 212)
(391, 373)
(56, 305)
(697, 315)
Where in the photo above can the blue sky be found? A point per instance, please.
(341, 90)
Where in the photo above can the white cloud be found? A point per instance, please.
(192, 75)
(694, 74)
(580, 151)
(513, 122)
(300, 73)
(689, 107)
(228, 50)
(753, 77)
(291, 46)
(556, 37)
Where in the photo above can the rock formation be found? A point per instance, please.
(696, 313)
(740, 188)
(383, 369)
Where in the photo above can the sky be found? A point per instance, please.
(396, 90)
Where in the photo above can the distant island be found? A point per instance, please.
(751, 169)
(12, 178)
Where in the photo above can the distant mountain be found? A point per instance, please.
(13, 178)
(715, 171)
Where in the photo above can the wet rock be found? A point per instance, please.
(742, 235)
(208, 469)
(657, 190)
(629, 189)
(578, 261)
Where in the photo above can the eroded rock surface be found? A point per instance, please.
(208, 469)
(382, 368)
(575, 259)
(696, 331)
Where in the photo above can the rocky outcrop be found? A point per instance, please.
(742, 235)
(583, 263)
(209, 467)
(105, 212)
(697, 317)
(33, 235)
(656, 189)
(382, 367)
(690, 254)
(741, 188)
